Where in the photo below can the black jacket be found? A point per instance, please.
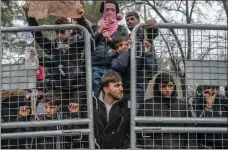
(161, 106)
(67, 59)
(100, 54)
(115, 132)
(220, 109)
(52, 142)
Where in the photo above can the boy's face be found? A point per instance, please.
(50, 110)
(123, 45)
(166, 88)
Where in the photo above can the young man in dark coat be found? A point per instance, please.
(111, 117)
(209, 103)
(67, 58)
(165, 104)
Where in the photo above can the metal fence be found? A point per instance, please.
(190, 58)
(193, 55)
(21, 86)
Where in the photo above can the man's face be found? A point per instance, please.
(166, 88)
(110, 10)
(131, 22)
(61, 35)
(50, 110)
(119, 47)
(115, 90)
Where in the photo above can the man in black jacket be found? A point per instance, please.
(165, 104)
(111, 117)
(146, 61)
(209, 103)
(67, 58)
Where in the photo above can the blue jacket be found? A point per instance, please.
(146, 67)
(99, 54)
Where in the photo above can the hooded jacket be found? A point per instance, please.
(161, 106)
(113, 133)
(67, 58)
(52, 142)
(219, 109)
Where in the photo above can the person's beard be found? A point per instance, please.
(118, 96)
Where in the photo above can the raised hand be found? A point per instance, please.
(73, 107)
(24, 111)
(147, 46)
(150, 23)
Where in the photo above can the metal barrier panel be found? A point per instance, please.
(46, 91)
(178, 97)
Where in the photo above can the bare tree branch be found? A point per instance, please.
(172, 30)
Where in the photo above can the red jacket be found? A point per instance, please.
(40, 74)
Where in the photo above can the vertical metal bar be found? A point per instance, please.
(89, 85)
(1, 50)
(133, 85)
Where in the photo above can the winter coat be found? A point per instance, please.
(100, 54)
(161, 106)
(67, 58)
(112, 134)
(220, 109)
(52, 142)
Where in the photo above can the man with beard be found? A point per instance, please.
(104, 33)
(111, 118)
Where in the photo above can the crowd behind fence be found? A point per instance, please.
(188, 65)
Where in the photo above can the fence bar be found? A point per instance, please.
(41, 28)
(181, 120)
(159, 25)
(188, 26)
(43, 123)
(20, 135)
(89, 85)
(181, 130)
(133, 86)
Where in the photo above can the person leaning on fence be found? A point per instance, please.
(146, 61)
(106, 29)
(111, 116)
(165, 104)
(209, 103)
(52, 107)
(67, 61)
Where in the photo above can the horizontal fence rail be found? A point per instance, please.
(46, 123)
(181, 120)
(45, 133)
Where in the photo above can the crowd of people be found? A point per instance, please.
(64, 96)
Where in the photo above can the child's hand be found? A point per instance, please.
(73, 107)
(147, 46)
(24, 111)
